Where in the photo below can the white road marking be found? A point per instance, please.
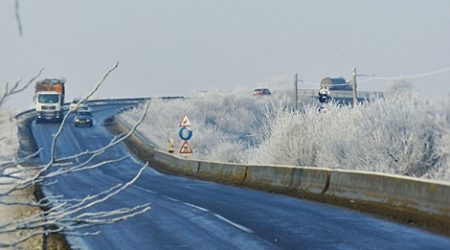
(145, 190)
(234, 224)
(170, 198)
(74, 139)
(197, 207)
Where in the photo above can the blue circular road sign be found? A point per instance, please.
(185, 133)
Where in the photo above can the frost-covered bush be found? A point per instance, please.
(292, 139)
(8, 139)
(224, 125)
(401, 134)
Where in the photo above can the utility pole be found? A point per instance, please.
(354, 100)
(296, 91)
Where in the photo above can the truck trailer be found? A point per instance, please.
(49, 97)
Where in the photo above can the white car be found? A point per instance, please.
(75, 106)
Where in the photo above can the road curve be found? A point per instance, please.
(194, 214)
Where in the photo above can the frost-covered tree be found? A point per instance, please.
(62, 215)
(402, 133)
(224, 125)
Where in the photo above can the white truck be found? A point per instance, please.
(49, 96)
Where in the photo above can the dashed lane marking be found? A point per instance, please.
(234, 224)
(197, 207)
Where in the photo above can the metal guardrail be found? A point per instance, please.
(343, 93)
(423, 202)
(305, 92)
(24, 113)
(93, 102)
(108, 100)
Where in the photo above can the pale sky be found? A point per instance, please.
(178, 47)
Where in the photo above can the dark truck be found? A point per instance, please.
(338, 83)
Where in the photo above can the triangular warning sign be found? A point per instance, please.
(185, 122)
(185, 149)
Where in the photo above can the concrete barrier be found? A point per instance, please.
(410, 200)
(175, 164)
(310, 180)
(224, 172)
(271, 178)
(424, 195)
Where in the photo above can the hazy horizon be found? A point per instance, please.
(180, 47)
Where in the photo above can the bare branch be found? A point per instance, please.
(44, 202)
(64, 215)
(81, 206)
(13, 163)
(114, 141)
(82, 167)
(36, 178)
(97, 86)
(23, 239)
(19, 22)
(60, 214)
(109, 217)
(16, 88)
(82, 234)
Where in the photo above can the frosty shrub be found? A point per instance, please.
(401, 134)
(8, 139)
(292, 139)
(442, 171)
(224, 126)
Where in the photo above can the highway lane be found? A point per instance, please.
(193, 214)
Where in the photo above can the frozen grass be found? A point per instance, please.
(224, 127)
(401, 134)
(8, 148)
(8, 136)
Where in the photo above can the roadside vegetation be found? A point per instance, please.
(402, 134)
(29, 219)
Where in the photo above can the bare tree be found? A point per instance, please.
(64, 215)
(19, 21)
(17, 87)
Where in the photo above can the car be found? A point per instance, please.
(84, 118)
(75, 105)
(336, 83)
(261, 92)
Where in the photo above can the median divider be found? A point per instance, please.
(310, 180)
(271, 178)
(223, 172)
(392, 190)
(409, 200)
(175, 164)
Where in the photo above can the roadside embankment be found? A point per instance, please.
(10, 213)
(408, 200)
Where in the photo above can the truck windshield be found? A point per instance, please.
(49, 98)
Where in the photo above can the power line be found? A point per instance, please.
(435, 72)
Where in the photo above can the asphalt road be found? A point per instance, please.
(193, 214)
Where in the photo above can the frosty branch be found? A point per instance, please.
(65, 215)
(17, 88)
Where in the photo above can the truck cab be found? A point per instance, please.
(48, 106)
(49, 98)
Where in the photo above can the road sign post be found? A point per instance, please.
(185, 134)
